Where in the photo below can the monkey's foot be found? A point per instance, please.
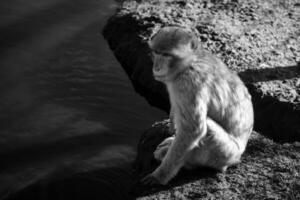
(160, 153)
(167, 142)
(162, 149)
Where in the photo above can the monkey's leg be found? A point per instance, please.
(190, 128)
(172, 127)
(162, 148)
(218, 149)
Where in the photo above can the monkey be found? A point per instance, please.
(211, 108)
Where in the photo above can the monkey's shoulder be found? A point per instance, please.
(205, 70)
(212, 67)
(190, 75)
(210, 58)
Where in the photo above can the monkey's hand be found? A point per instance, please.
(162, 149)
(154, 179)
(150, 180)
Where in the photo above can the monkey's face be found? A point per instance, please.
(172, 50)
(161, 65)
(167, 63)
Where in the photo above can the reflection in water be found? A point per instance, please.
(66, 106)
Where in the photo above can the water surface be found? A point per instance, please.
(66, 105)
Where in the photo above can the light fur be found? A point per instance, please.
(211, 108)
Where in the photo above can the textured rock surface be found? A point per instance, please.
(258, 39)
(268, 171)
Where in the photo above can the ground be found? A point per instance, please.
(268, 171)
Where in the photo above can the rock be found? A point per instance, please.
(148, 142)
(255, 38)
(258, 40)
(268, 171)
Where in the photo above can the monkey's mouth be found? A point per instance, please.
(159, 77)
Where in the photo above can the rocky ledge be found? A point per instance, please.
(268, 171)
(258, 39)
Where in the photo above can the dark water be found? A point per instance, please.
(67, 109)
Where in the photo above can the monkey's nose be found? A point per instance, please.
(156, 68)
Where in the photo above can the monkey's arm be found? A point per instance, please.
(191, 128)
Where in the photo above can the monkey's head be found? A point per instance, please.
(173, 48)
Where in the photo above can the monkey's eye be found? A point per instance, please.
(155, 52)
(166, 54)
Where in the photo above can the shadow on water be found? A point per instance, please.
(69, 118)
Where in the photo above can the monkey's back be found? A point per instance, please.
(227, 99)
